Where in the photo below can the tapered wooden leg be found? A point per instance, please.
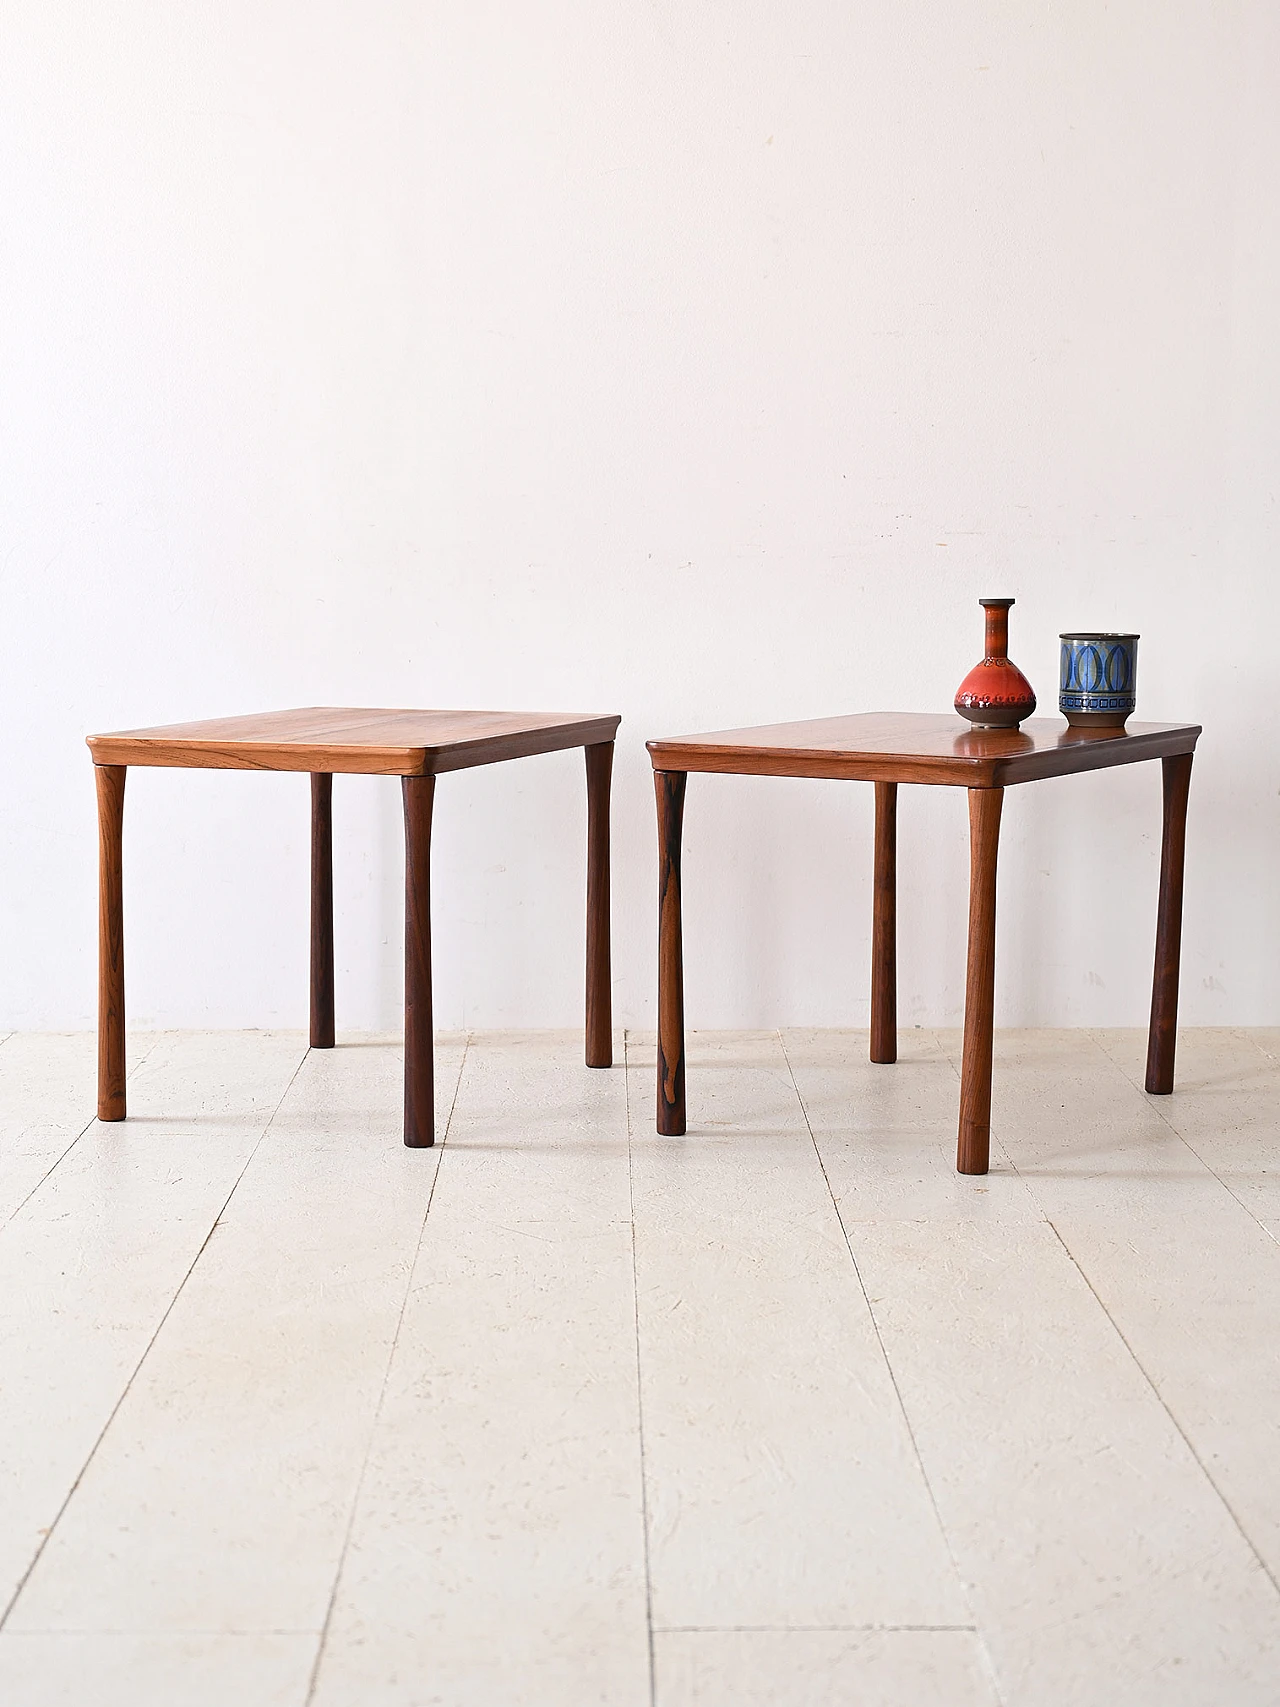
(599, 973)
(111, 1070)
(321, 910)
(884, 928)
(974, 1146)
(669, 786)
(419, 1056)
(1162, 1038)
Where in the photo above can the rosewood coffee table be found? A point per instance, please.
(886, 748)
(416, 746)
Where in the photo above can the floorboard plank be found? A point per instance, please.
(783, 1484)
(1101, 1562)
(811, 1668)
(498, 1548)
(48, 1093)
(92, 1261)
(196, 1670)
(221, 1494)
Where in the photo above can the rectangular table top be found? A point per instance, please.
(362, 740)
(908, 746)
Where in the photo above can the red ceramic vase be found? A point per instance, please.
(995, 694)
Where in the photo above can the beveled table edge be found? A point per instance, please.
(132, 748)
(692, 753)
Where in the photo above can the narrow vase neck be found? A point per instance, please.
(997, 644)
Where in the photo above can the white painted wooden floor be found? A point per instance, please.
(563, 1413)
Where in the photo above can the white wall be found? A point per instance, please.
(699, 361)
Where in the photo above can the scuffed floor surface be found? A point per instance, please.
(560, 1413)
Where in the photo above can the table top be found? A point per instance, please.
(366, 741)
(907, 746)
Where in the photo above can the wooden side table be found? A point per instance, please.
(416, 746)
(888, 748)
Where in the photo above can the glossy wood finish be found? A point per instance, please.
(1162, 1038)
(110, 780)
(599, 970)
(884, 928)
(416, 745)
(669, 787)
(888, 748)
(884, 746)
(321, 910)
(419, 1042)
(973, 1146)
(364, 741)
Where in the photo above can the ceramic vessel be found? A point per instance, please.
(1098, 679)
(995, 694)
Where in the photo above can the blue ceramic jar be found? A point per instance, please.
(1098, 679)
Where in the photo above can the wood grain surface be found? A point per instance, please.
(907, 746)
(888, 748)
(419, 1036)
(367, 742)
(884, 928)
(1163, 1035)
(322, 1034)
(110, 780)
(669, 788)
(599, 1041)
(974, 1142)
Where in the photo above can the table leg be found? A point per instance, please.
(884, 928)
(1162, 1038)
(974, 1144)
(111, 1069)
(669, 787)
(321, 910)
(599, 974)
(419, 1056)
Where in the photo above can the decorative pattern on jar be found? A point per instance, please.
(1098, 678)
